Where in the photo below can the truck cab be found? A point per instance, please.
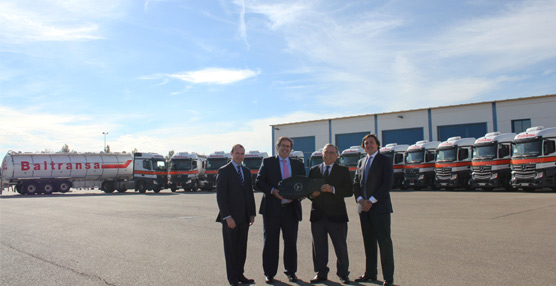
(396, 153)
(419, 165)
(534, 159)
(253, 161)
(349, 158)
(187, 171)
(214, 161)
(453, 163)
(315, 159)
(491, 161)
(149, 172)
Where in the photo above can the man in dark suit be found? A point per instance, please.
(279, 213)
(371, 188)
(329, 215)
(236, 202)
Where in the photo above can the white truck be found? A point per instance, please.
(315, 159)
(534, 159)
(453, 163)
(350, 156)
(397, 153)
(214, 161)
(32, 173)
(186, 171)
(491, 161)
(419, 165)
(253, 161)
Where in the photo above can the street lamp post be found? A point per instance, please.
(105, 133)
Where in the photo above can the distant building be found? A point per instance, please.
(410, 126)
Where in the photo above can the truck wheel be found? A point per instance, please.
(108, 187)
(47, 188)
(19, 189)
(122, 190)
(64, 186)
(30, 188)
(141, 187)
(173, 189)
(156, 189)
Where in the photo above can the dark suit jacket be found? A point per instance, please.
(379, 183)
(268, 178)
(332, 205)
(233, 197)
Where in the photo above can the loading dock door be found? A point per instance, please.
(464, 130)
(346, 140)
(402, 136)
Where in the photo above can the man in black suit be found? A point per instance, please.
(329, 215)
(236, 202)
(279, 213)
(371, 188)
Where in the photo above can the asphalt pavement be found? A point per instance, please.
(440, 238)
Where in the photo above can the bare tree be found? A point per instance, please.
(107, 150)
(170, 154)
(65, 149)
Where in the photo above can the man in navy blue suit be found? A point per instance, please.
(236, 202)
(279, 213)
(371, 188)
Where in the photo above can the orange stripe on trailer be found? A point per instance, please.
(183, 172)
(117, 166)
(254, 171)
(353, 168)
(151, 173)
(398, 166)
(416, 166)
(458, 164)
(211, 172)
(534, 160)
(491, 163)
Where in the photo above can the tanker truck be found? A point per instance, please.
(350, 157)
(253, 161)
(214, 162)
(419, 165)
(491, 161)
(32, 173)
(453, 163)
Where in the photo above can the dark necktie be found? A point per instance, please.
(367, 174)
(240, 175)
(326, 172)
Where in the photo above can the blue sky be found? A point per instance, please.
(162, 75)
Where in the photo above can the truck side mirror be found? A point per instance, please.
(549, 147)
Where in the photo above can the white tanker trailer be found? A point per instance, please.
(32, 173)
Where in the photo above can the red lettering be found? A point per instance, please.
(37, 167)
(87, 166)
(24, 165)
(97, 165)
(52, 164)
(68, 166)
(60, 166)
(78, 166)
(45, 166)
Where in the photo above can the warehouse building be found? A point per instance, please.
(410, 126)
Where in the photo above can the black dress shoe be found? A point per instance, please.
(246, 280)
(388, 283)
(318, 279)
(234, 284)
(268, 279)
(365, 278)
(344, 279)
(292, 277)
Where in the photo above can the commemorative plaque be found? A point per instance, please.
(297, 187)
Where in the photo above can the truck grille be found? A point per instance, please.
(524, 171)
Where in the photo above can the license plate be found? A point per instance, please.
(482, 184)
(443, 184)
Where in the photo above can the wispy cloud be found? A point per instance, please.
(209, 76)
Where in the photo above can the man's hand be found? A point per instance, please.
(251, 220)
(276, 193)
(365, 205)
(231, 223)
(315, 194)
(326, 188)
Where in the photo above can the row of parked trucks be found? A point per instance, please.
(512, 161)
(32, 173)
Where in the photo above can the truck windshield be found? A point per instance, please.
(446, 155)
(315, 161)
(528, 149)
(180, 164)
(388, 153)
(253, 163)
(160, 165)
(349, 160)
(414, 157)
(484, 152)
(215, 163)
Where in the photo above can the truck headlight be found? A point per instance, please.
(454, 176)
(494, 176)
(539, 175)
(421, 177)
